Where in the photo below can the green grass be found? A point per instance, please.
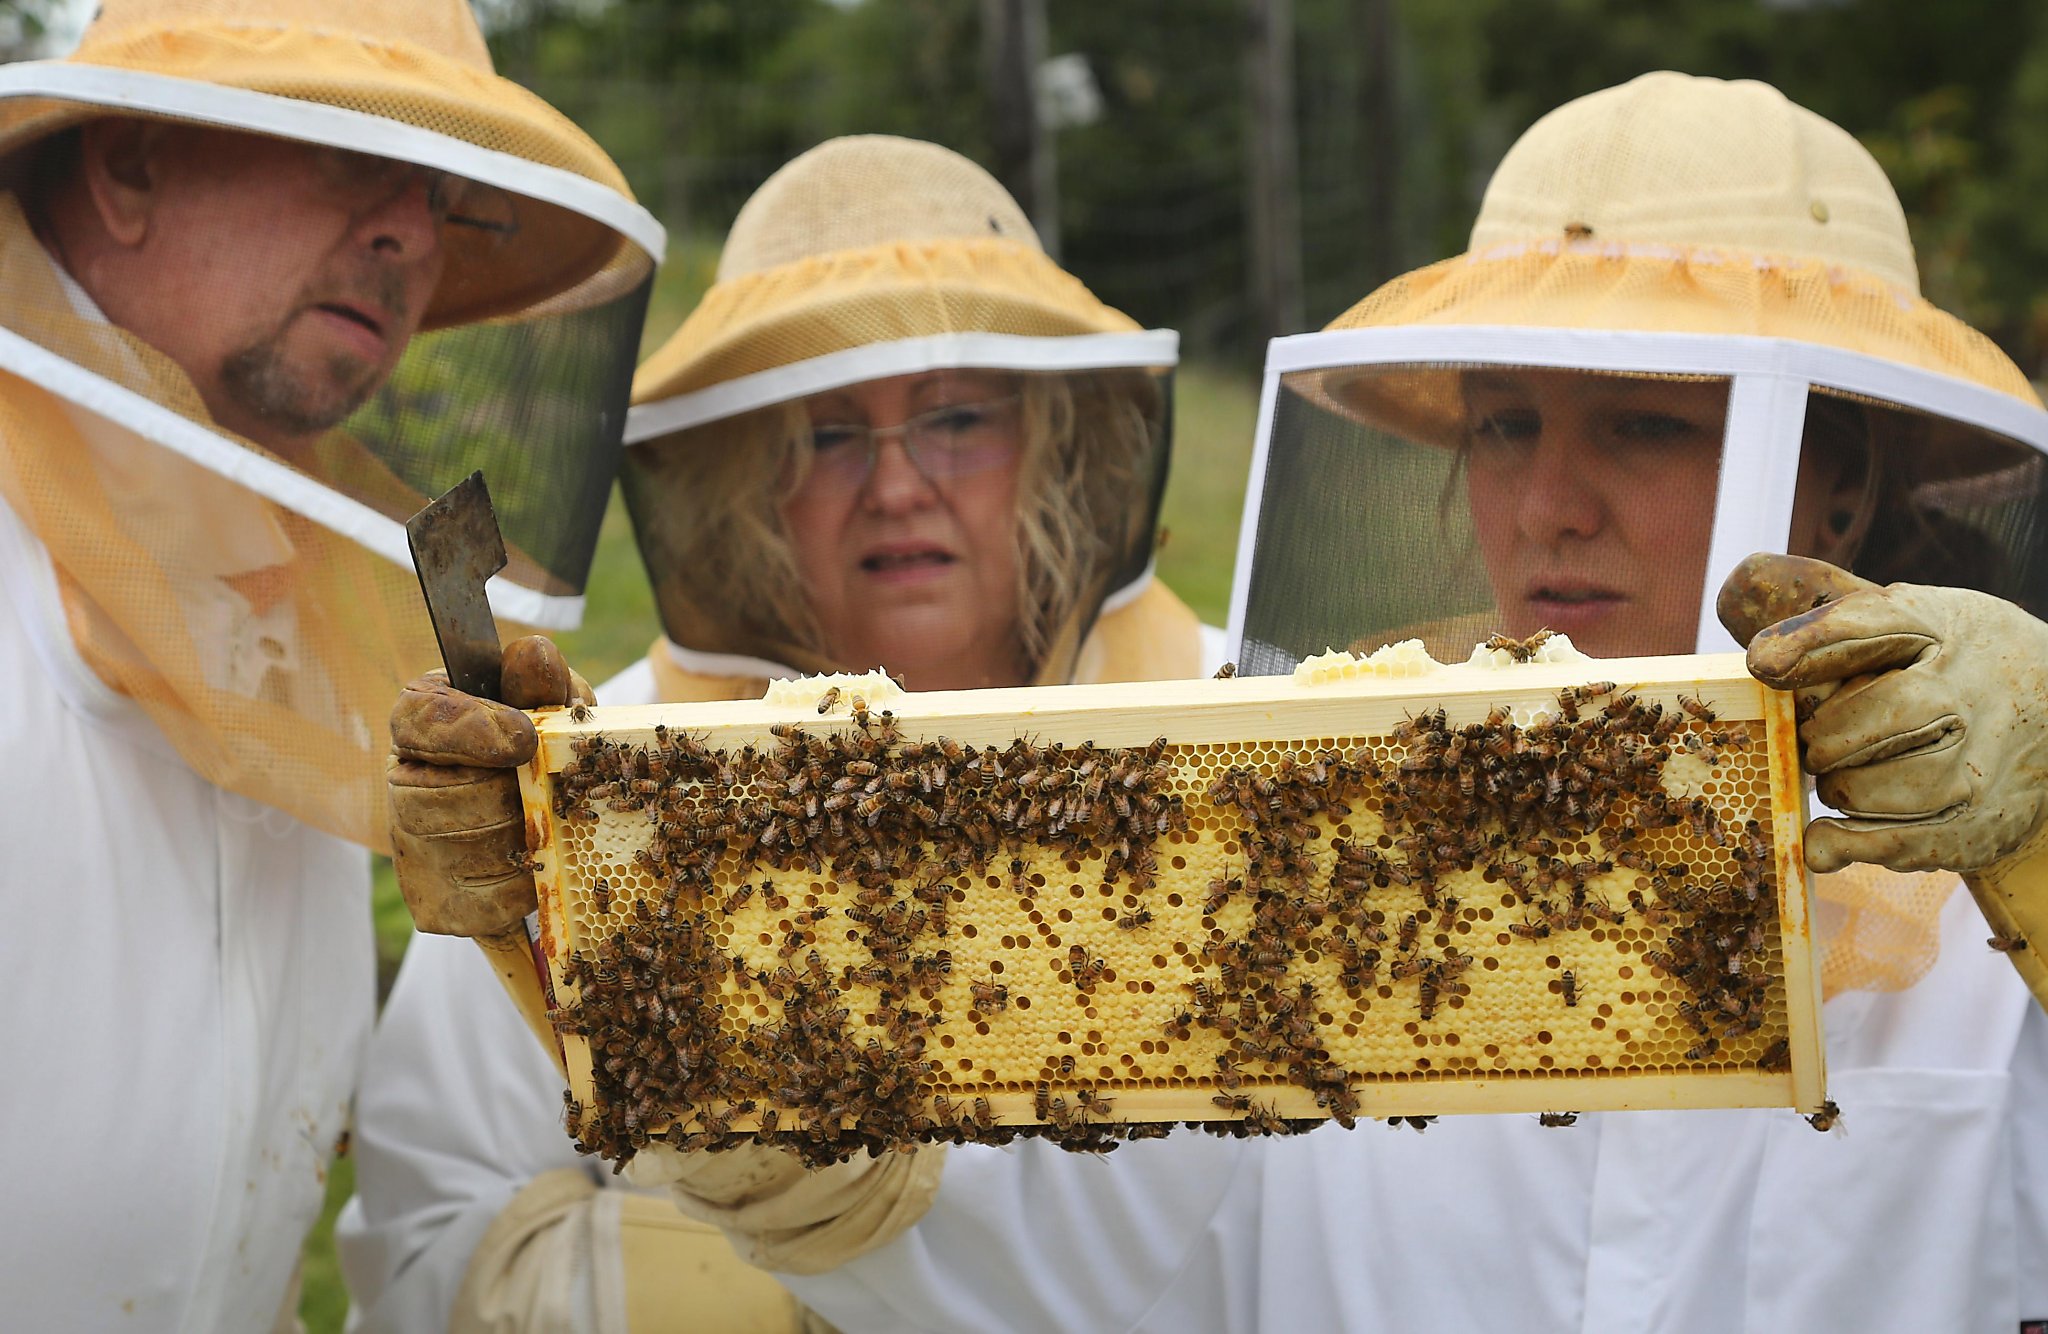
(323, 1301)
(1214, 416)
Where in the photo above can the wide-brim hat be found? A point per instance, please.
(864, 241)
(408, 79)
(1618, 211)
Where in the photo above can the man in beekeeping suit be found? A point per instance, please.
(271, 273)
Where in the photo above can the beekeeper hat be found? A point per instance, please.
(863, 241)
(259, 603)
(1614, 212)
(358, 76)
(865, 258)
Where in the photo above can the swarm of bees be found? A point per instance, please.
(895, 821)
(847, 1060)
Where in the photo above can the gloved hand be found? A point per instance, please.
(783, 1216)
(1928, 730)
(1933, 741)
(457, 832)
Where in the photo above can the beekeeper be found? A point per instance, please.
(271, 272)
(1688, 327)
(894, 434)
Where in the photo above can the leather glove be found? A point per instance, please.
(1934, 744)
(1928, 728)
(783, 1216)
(458, 834)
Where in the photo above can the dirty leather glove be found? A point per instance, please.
(457, 833)
(783, 1216)
(1928, 730)
(1934, 743)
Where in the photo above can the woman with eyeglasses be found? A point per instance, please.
(894, 435)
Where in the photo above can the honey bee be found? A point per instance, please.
(1777, 1057)
(1416, 1123)
(579, 711)
(1570, 699)
(1696, 708)
(1535, 929)
(1233, 1102)
(1426, 993)
(1557, 1118)
(990, 996)
(828, 700)
(1707, 1047)
(1521, 650)
(1226, 671)
(2005, 944)
(601, 894)
(1602, 910)
(1570, 982)
(1131, 921)
(859, 706)
(1827, 1118)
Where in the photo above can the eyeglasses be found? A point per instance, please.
(363, 179)
(945, 444)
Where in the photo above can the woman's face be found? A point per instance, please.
(1593, 498)
(910, 561)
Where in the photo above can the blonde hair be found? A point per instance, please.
(712, 515)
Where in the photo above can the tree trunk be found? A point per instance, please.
(1275, 170)
(1013, 44)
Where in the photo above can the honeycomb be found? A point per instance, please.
(1490, 891)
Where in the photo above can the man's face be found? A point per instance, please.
(285, 278)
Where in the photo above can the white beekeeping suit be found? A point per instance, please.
(272, 273)
(869, 265)
(1688, 328)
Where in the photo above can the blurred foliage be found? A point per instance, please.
(700, 100)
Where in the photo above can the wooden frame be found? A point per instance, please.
(1263, 712)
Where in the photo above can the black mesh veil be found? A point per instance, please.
(538, 404)
(232, 364)
(1448, 501)
(516, 368)
(1044, 499)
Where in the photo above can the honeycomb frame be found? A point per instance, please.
(1578, 1019)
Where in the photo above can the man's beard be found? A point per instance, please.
(263, 383)
(267, 389)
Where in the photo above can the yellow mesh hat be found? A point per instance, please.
(1616, 212)
(866, 259)
(458, 285)
(1687, 327)
(864, 240)
(384, 65)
